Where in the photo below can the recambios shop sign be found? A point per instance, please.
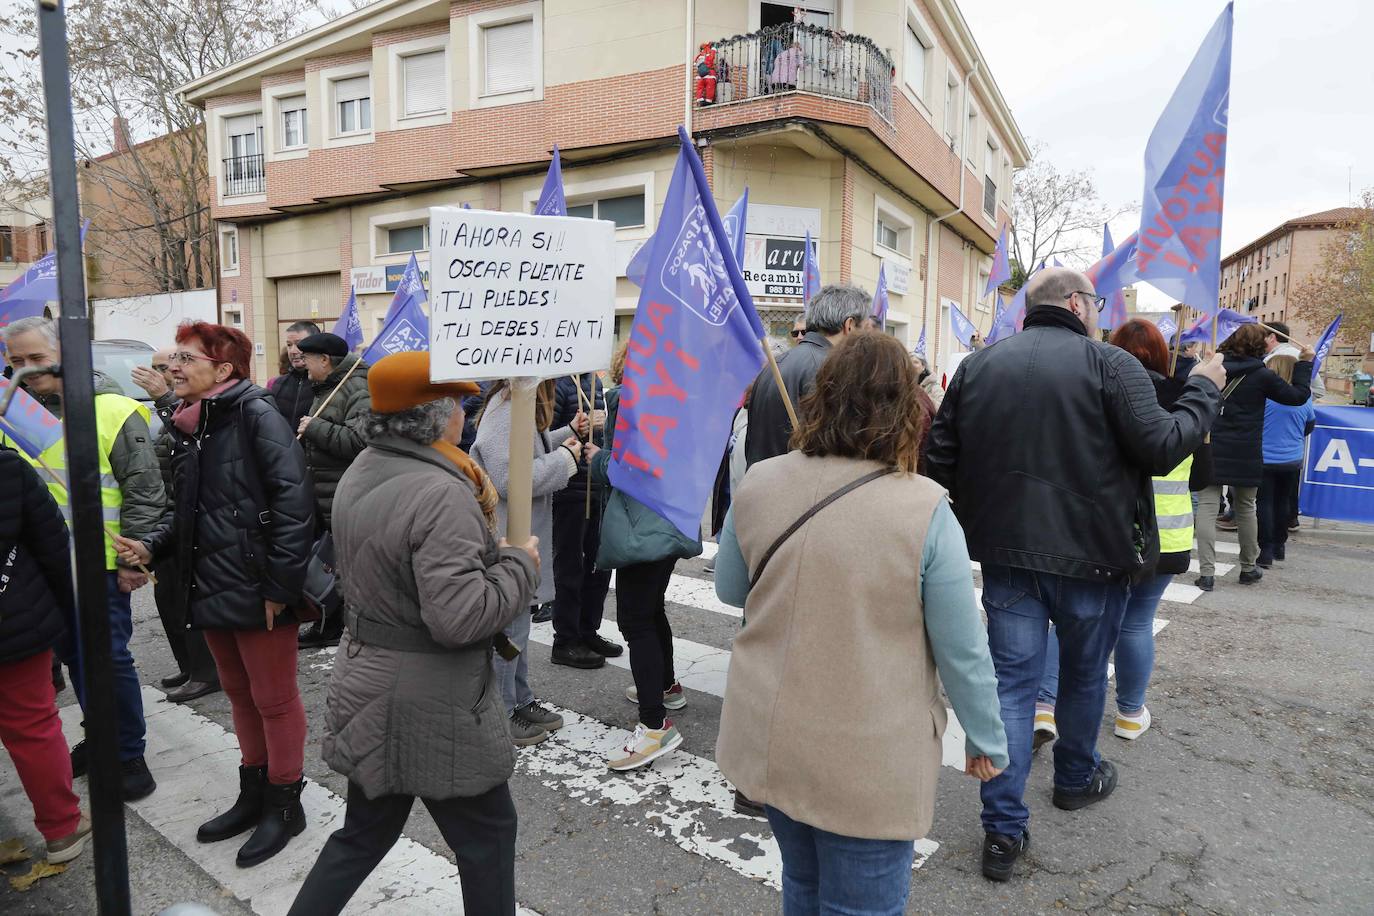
(773, 266)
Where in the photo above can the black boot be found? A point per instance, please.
(245, 813)
(282, 818)
(311, 636)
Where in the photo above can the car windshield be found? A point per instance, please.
(118, 363)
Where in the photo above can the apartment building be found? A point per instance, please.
(25, 234)
(875, 125)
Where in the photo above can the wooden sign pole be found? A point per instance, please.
(518, 494)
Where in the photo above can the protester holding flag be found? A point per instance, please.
(241, 530)
(556, 456)
(292, 390)
(1238, 448)
(133, 501)
(794, 739)
(927, 380)
(1285, 428)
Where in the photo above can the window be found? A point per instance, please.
(243, 170)
(892, 229)
(353, 105)
(42, 238)
(245, 135)
(887, 235)
(6, 243)
(508, 57)
(981, 302)
(292, 122)
(971, 135)
(407, 238)
(952, 113)
(990, 180)
(625, 210)
(424, 85)
(229, 250)
(915, 61)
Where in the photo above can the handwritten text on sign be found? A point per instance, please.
(514, 295)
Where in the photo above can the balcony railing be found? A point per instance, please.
(795, 57)
(243, 175)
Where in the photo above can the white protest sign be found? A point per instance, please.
(519, 296)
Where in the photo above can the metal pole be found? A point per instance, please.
(83, 469)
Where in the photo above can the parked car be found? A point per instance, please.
(116, 359)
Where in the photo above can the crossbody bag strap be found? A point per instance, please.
(806, 517)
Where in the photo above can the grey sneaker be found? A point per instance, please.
(535, 714)
(525, 733)
(71, 845)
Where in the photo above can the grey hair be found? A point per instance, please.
(1054, 285)
(45, 326)
(834, 305)
(423, 424)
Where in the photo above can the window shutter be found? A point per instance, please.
(358, 87)
(422, 75)
(509, 57)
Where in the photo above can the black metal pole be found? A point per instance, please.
(83, 469)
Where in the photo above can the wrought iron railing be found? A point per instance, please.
(796, 57)
(243, 175)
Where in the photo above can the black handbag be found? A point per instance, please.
(321, 590)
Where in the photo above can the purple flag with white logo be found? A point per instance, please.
(811, 270)
(921, 342)
(694, 347)
(1013, 317)
(411, 289)
(880, 298)
(1168, 327)
(551, 201)
(1110, 275)
(1325, 343)
(350, 326)
(1227, 323)
(407, 325)
(998, 316)
(29, 295)
(1185, 169)
(734, 227)
(1001, 265)
(28, 424)
(962, 328)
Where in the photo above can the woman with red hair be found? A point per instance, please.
(242, 525)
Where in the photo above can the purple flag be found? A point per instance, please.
(880, 298)
(1325, 343)
(1185, 169)
(1227, 322)
(29, 295)
(1013, 317)
(1001, 266)
(551, 202)
(694, 348)
(28, 424)
(921, 342)
(350, 326)
(963, 328)
(1168, 327)
(410, 289)
(998, 316)
(1110, 275)
(734, 227)
(811, 270)
(407, 330)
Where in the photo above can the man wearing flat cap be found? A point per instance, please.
(414, 710)
(332, 434)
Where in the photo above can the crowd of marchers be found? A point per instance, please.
(847, 540)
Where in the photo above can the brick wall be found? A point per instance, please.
(847, 222)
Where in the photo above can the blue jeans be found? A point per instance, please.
(1135, 649)
(514, 676)
(128, 694)
(1020, 605)
(826, 873)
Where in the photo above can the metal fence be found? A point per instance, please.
(796, 57)
(243, 175)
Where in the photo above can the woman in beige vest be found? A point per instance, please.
(833, 715)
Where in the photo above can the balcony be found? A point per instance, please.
(800, 58)
(242, 175)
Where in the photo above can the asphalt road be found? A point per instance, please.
(1252, 793)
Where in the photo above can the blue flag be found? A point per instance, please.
(1110, 275)
(734, 223)
(1227, 322)
(28, 424)
(921, 342)
(811, 270)
(880, 298)
(1338, 471)
(1001, 266)
(407, 330)
(963, 328)
(1013, 317)
(1185, 169)
(410, 289)
(1168, 327)
(551, 202)
(1325, 343)
(350, 326)
(998, 316)
(694, 347)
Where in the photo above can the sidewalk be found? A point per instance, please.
(1351, 534)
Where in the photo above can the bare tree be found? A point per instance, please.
(1056, 213)
(148, 206)
(1344, 279)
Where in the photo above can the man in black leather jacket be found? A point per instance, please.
(1046, 442)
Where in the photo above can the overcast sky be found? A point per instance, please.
(1090, 78)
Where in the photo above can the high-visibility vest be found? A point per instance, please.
(111, 412)
(1174, 509)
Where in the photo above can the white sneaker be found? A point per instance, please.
(674, 697)
(1133, 726)
(645, 746)
(1045, 728)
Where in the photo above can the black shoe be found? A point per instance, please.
(176, 680)
(136, 781)
(1250, 577)
(245, 812)
(1099, 787)
(1206, 583)
(577, 655)
(747, 806)
(1266, 558)
(604, 647)
(282, 818)
(321, 633)
(192, 690)
(1292, 526)
(1000, 853)
(81, 759)
(1280, 551)
(542, 613)
(311, 636)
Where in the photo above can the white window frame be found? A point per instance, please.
(894, 216)
(379, 242)
(216, 141)
(926, 35)
(981, 302)
(971, 137)
(396, 67)
(273, 131)
(578, 192)
(230, 235)
(232, 314)
(953, 109)
(328, 77)
(477, 23)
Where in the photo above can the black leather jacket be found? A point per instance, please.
(769, 426)
(1046, 442)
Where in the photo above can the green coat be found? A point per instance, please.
(631, 532)
(335, 437)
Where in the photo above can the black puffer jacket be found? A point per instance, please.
(770, 428)
(1238, 435)
(215, 531)
(334, 438)
(35, 563)
(162, 444)
(293, 393)
(566, 403)
(1057, 477)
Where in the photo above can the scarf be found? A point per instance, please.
(487, 497)
(187, 415)
(1052, 316)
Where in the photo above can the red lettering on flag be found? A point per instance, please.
(1215, 143)
(653, 427)
(666, 385)
(1196, 239)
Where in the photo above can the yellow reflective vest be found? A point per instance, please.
(1174, 509)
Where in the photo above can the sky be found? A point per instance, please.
(1089, 78)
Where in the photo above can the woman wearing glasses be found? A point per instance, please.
(241, 530)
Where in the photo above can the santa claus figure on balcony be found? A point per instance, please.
(705, 65)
